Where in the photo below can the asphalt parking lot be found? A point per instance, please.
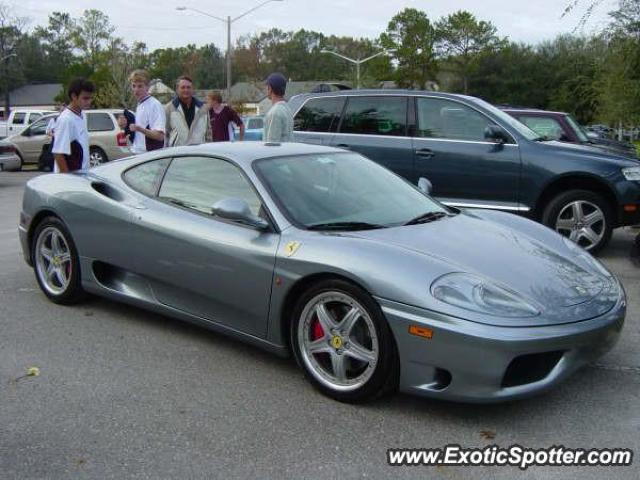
(123, 393)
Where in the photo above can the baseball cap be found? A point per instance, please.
(277, 82)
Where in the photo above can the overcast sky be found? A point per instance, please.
(159, 25)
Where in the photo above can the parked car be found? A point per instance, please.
(478, 156)
(19, 119)
(9, 158)
(564, 128)
(106, 140)
(253, 128)
(369, 282)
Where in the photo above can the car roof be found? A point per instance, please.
(247, 152)
(382, 91)
(530, 110)
(242, 153)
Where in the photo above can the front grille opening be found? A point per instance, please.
(530, 368)
(441, 379)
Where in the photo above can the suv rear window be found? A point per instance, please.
(99, 122)
(382, 115)
(319, 115)
(18, 118)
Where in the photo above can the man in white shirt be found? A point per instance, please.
(71, 140)
(150, 116)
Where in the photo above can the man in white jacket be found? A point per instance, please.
(187, 117)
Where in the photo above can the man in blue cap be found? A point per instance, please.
(278, 123)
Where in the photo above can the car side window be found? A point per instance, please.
(441, 118)
(145, 178)
(38, 128)
(383, 115)
(546, 127)
(18, 118)
(199, 182)
(319, 115)
(99, 122)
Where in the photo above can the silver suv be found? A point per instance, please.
(106, 140)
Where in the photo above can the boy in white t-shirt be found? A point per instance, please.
(71, 140)
(150, 116)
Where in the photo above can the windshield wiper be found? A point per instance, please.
(344, 226)
(427, 217)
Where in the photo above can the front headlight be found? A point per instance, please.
(477, 294)
(632, 173)
(584, 255)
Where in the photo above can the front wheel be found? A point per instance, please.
(343, 343)
(583, 216)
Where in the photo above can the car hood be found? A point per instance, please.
(565, 285)
(599, 152)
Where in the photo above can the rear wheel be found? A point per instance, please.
(582, 216)
(56, 262)
(96, 156)
(343, 343)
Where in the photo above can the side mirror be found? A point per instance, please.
(496, 134)
(425, 185)
(238, 210)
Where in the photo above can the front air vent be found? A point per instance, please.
(530, 368)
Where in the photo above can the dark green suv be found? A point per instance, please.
(476, 155)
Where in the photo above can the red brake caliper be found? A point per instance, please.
(316, 330)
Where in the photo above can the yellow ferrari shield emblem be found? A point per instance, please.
(291, 248)
(336, 342)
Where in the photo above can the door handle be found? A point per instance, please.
(424, 153)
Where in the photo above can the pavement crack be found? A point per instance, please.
(616, 368)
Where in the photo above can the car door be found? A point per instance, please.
(317, 120)
(452, 153)
(33, 139)
(376, 127)
(215, 269)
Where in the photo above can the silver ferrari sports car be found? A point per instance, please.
(371, 284)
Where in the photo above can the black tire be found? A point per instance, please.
(97, 154)
(71, 293)
(21, 165)
(558, 209)
(384, 376)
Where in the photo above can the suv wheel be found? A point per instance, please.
(582, 216)
(96, 156)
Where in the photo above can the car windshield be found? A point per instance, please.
(579, 129)
(521, 128)
(343, 191)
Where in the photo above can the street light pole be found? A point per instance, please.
(7, 94)
(357, 62)
(228, 21)
(229, 59)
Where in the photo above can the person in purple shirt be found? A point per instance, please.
(221, 117)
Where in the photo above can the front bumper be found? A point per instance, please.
(471, 362)
(10, 162)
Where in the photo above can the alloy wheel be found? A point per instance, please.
(53, 260)
(338, 341)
